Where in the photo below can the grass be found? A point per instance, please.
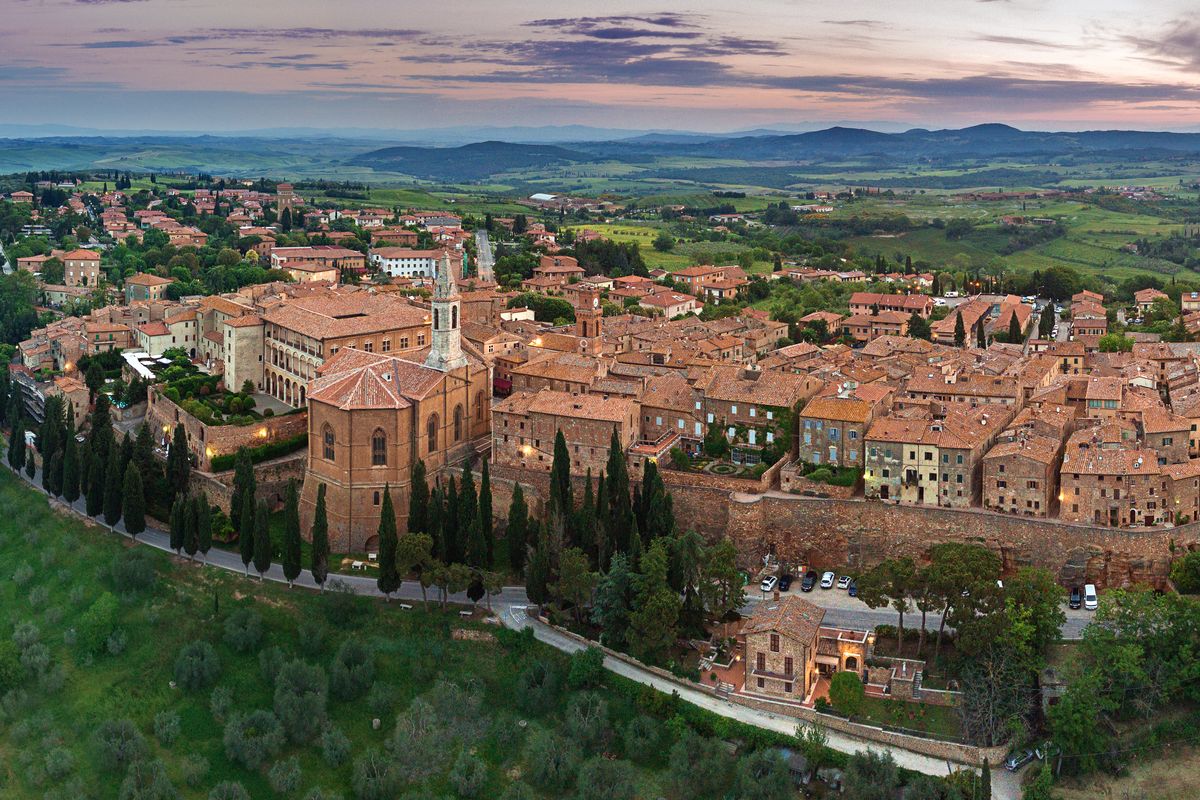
(1173, 777)
(54, 567)
(938, 720)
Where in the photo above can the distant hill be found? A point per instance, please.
(467, 163)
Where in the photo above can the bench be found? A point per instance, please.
(406, 606)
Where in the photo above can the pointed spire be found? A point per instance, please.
(445, 352)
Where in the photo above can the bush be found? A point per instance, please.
(194, 769)
(118, 744)
(300, 696)
(285, 775)
(375, 777)
(587, 668)
(552, 761)
(341, 604)
(381, 699)
(251, 739)
(97, 623)
(518, 790)
(220, 702)
(352, 671)
(1185, 573)
(197, 667)
(587, 720)
(59, 763)
(538, 688)
(26, 634)
(468, 775)
(335, 747)
(601, 779)
(263, 452)
(244, 630)
(642, 739)
(270, 661)
(846, 693)
(133, 570)
(166, 727)
(229, 790)
(147, 780)
(310, 636)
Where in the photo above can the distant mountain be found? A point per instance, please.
(467, 163)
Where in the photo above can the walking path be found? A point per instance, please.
(510, 606)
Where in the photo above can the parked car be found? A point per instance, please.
(785, 582)
(1090, 601)
(844, 582)
(827, 580)
(939, 302)
(810, 580)
(1076, 600)
(853, 590)
(769, 583)
(1017, 760)
(950, 294)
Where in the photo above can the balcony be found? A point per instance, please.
(659, 448)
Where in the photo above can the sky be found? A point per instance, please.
(719, 65)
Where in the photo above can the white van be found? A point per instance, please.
(950, 294)
(1090, 601)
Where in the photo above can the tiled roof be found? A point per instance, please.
(146, 279)
(790, 616)
(353, 379)
(331, 315)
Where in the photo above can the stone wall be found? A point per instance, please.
(206, 441)
(271, 481)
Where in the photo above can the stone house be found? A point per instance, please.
(1020, 476)
(832, 427)
(525, 425)
(781, 647)
(1108, 480)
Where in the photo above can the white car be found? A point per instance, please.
(950, 294)
(827, 580)
(844, 582)
(769, 583)
(1090, 601)
(939, 302)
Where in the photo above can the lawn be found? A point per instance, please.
(58, 693)
(937, 720)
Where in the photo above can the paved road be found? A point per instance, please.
(4, 261)
(484, 258)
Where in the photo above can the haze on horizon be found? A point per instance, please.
(213, 65)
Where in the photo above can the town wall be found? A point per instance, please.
(839, 533)
(206, 441)
(271, 479)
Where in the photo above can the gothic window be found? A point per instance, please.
(453, 318)
(327, 436)
(431, 432)
(378, 448)
(458, 423)
(437, 319)
(480, 405)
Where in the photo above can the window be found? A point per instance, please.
(958, 459)
(378, 449)
(761, 662)
(387, 346)
(458, 423)
(760, 683)
(431, 432)
(369, 346)
(480, 405)
(327, 436)
(787, 687)
(420, 340)
(774, 642)
(787, 665)
(753, 411)
(403, 342)
(733, 409)
(376, 498)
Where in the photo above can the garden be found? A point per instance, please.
(205, 396)
(830, 474)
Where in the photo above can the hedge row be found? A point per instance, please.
(264, 452)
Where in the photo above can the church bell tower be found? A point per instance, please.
(445, 352)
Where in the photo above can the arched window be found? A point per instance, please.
(437, 319)
(458, 423)
(378, 448)
(453, 317)
(480, 405)
(431, 432)
(327, 437)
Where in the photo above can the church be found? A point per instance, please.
(373, 416)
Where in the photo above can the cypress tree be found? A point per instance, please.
(143, 450)
(126, 452)
(179, 466)
(620, 511)
(262, 539)
(561, 502)
(135, 501)
(85, 466)
(246, 533)
(980, 336)
(31, 465)
(635, 546)
(601, 538)
(51, 466)
(1014, 329)
(191, 531)
(960, 333)
(517, 532)
(450, 523)
(418, 500)
(985, 781)
(70, 472)
(113, 484)
(178, 523)
(469, 545)
(291, 534)
(319, 565)
(239, 488)
(95, 493)
(537, 573)
(487, 527)
(203, 527)
(436, 525)
(389, 577)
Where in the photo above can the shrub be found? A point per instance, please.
(194, 768)
(537, 688)
(133, 570)
(352, 671)
(552, 760)
(587, 668)
(11, 670)
(341, 604)
(118, 744)
(602, 779)
(375, 777)
(1185, 573)
(642, 739)
(468, 775)
(300, 696)
(263, 452)
(846, 692)
(251, 739)
(59, 763)
(316, 792)
(166, 727)
(244, 630)
(381, 699)
(285, 775)
(26, 634)
(587, 720)
(310, 636)
(270, 661)
(197, 666)
(518, 790)
(229, 790)
(147, 780)
(116, 642)
(36, 659)
(96, 624)
(220, 702)
(335, 747)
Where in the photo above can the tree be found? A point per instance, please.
(537, 572)
(517, 532)
(179, 465)
(262, 539)
(246, 529)
(561, 505)
(95, 493)
(763, 775)
(664, 242)
(301, 692)
(1115, 343)
(1046, 321)
(981, 338)
(1042, 786)
(418, 500)
(191, 532)
(614, 602)
(919, 328)
(177, 523)
(1014, 330)
(721, 589)
(113, 484)
(16, 444)
(203, 526)
(414, 553)
(291, 534)
(243, 482)
(319, 554)
(620, 510)
(135, 501)
(846, 692)
(652, 623)
(389, 578)
(70, 469)
(960, 333)
(487, 525)
(576, 581)
(870, 776)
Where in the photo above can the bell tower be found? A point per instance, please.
(589, 320)
(445, 352)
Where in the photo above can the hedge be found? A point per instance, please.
(263, 452)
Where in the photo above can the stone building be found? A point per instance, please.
(1108, 480)
(81, 268)
(525, 424)
(1021, 476)
(833, 425)
(373, 415)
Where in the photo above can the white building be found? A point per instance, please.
(406, 263)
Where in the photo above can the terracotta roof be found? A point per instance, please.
(156, 328)
(779, 389)
(245, 321)
(585, 406)
(146, 279)
(1042, 449)
(354, 379)
(789, 616)
(843, 409)
(330, 315)
(81, 255)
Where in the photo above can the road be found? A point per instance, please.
(4, 261)
(483, 256)
(510, 606)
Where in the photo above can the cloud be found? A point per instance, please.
(855, 23)
(258, 34)
(1026, 41)
(1178, 44)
